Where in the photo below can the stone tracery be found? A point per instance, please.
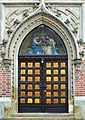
(66, 14)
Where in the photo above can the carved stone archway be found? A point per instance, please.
(40, 17)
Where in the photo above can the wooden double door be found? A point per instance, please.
(43, 85)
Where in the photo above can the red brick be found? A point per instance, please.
(80, 81)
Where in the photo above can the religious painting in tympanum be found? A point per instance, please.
(43, 73)
(43, 41)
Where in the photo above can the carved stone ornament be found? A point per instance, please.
(9, 31)
(16, 22)
(68, 14)
(81, 53)
(75, 30)
(80, 41)
(25, 14)
(3, 48)
(7, 63)
(67, 21)
(83, 44)
(5, 42)
(77, 63)
(3, 54)
(15, 15)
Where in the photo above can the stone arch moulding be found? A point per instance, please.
(19, 34)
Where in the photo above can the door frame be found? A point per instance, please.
(51, 57)
(14, 46)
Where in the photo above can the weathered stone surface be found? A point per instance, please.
(7, 111)
(44, 118)
(80, 101)
(5, 107)
(1, 110)
(80, 106)
(78, 111)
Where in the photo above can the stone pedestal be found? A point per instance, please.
(80, 106)
(84, 112)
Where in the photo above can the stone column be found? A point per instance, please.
(83, 22)
(2, 21)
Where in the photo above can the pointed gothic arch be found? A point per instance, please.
(20, 33)
(43, 72)
(44, 18)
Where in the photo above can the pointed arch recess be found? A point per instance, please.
(20, 33)
(31, 22)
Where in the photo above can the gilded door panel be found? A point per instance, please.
(43, 87)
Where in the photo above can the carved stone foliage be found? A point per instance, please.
(15, 14)
(68, 14)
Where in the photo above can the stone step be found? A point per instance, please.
(41, 118)
(42, 115)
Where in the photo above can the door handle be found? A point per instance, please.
(42, 60)
(45, 91)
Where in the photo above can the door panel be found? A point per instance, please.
(55, 98)
(43, 85)
(29, 86)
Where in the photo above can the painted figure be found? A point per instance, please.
(42, 45)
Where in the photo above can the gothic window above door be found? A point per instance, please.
(42, 41)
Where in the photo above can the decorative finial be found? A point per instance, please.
(42, 2)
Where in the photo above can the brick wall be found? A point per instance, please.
(80, 81)
(5, 82)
